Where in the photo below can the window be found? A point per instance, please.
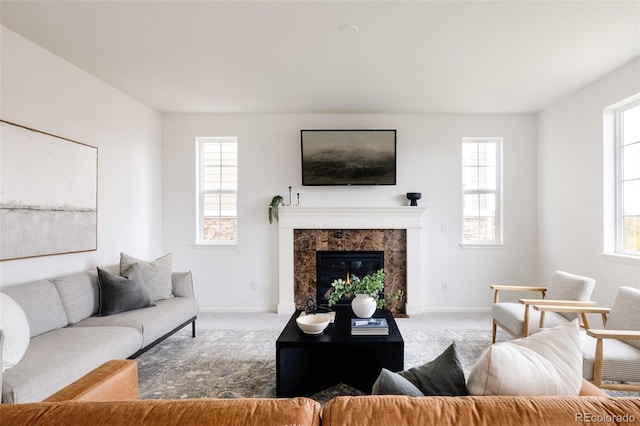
(217, 187)
(627, 191)
(482, 190)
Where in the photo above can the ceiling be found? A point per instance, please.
(298, 56)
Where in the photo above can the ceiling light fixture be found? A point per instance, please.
(350, 29)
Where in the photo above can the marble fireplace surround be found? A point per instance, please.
(379, 218)
(391, 242)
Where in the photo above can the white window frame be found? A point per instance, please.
(498, 241)
(615, 243)
(201, 192)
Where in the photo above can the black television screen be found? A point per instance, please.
(348, 157)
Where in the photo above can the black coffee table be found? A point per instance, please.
(307, 364)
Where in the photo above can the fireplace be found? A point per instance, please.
(332, 265)
(396, 230)
(308, 242)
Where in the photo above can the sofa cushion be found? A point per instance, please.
(60, 357)
(390, 383)
(79, 294)
(16, 334)
(221, 412)
(473, 410)
(41, 304)
(546, 363)
(153, 322)
(156, 274)
(120, 294)
(442, 376)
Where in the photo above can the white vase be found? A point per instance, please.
(363, 305)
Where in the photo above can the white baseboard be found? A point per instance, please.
(413, 309)
(286, 308)
(457, 309)
(425, 310)
(237, 310)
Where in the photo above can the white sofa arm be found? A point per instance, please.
(182, 284)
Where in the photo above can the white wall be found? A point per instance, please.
(570, 185)
(429, 156)
(42, 91)
(553, 184)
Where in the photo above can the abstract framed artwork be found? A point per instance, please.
(48, 194)
(348, 157)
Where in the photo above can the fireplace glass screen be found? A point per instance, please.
(331, 265)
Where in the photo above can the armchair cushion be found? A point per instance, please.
(625, 313)
(546, 363)
(620, 361)
(511, 315)
(565, 286)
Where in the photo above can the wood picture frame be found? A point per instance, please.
(49, 194)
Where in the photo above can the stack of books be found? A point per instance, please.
(369, 327)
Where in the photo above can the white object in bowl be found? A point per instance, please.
(313, 324)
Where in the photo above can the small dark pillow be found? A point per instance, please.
(120, 294)
(390, 383)
(441, 377)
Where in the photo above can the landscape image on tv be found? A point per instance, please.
(348, 157)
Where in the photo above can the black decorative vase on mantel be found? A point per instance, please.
(414, 197)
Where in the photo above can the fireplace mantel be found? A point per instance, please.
(401, 217)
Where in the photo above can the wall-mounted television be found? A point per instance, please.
(348, 157)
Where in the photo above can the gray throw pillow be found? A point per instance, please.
(120, 294)
(156, 274)
(441, 377)
(390, 383)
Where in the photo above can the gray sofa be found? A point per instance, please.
(69, 339)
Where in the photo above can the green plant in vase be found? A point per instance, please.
(276, 202)
(371, 285)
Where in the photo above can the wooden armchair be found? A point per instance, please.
(518, 320)
(611, 354)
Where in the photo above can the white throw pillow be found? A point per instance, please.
(545, 363)
(15, 328)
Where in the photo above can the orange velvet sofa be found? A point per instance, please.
(109, 395)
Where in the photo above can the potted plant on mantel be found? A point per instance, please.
(276, 202)
(366, 290)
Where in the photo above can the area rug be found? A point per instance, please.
(240, 363)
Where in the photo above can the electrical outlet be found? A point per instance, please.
(443, 228)
(445, 286)
(252, 285)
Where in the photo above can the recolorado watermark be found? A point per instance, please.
(605, 418)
